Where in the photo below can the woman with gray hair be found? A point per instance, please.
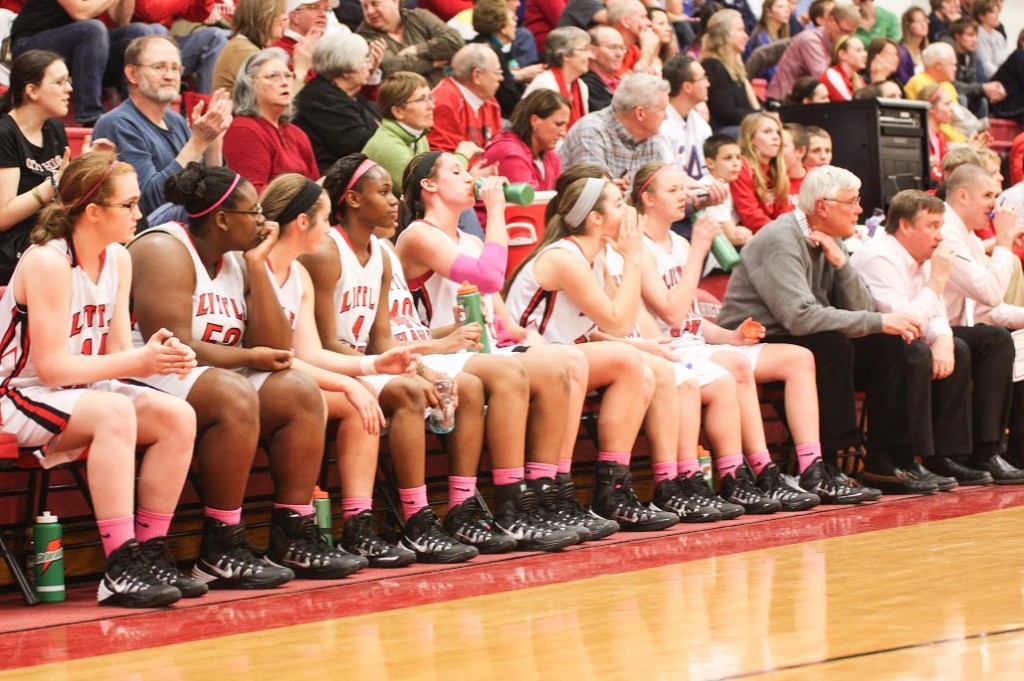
(567, 52)
(331, 103)
(262, 143)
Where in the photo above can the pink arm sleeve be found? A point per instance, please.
(487, 272)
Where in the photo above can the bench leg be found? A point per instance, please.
(14, 566)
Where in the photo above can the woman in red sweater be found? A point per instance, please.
(262, 143)
(761, 192)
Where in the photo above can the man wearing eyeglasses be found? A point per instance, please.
(795, 278)
(304, 18)
(200, 45)
(148, 133)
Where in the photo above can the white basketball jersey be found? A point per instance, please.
(670, 267)
(405, 322)
(89, 313)
(218, 303)
(614, 266)
(357, 292)
(290, 293)
(550, 313)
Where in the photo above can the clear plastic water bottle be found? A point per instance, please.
(442, 417)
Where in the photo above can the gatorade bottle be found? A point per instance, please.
(322, 507)
(472, 311)
(49, 558)
(517, 193)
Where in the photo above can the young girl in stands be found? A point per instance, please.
(842, 78)
(360, 192)
(75, 283)
(671, 274)
(761, 192)
(205, 282)
(435, 257)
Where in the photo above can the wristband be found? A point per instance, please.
(39, 197)
(54, 183)
(367, 365)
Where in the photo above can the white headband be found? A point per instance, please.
(585, 203)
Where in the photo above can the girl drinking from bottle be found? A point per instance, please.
(75, 283)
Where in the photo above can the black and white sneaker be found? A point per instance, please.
(562, 506)
(615, 499)
(669, 495)
(296, 543)
(359, 538)
(739, 488)
(228, 561)
(130, 583)
(821, 479)
(696, 484)
(424, 535)
(471, 523)
(161, 564)
(520, 519)
(867, 493)
(774, 484)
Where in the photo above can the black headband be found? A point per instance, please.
(807, 91)
(300, 203)
(422, 169)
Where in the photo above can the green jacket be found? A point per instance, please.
(393, 147)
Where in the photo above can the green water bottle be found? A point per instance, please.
(49, 558)
(322, 508)
(517, 193)
(725, 253)
(472, 311)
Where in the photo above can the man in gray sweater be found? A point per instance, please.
(795, 278)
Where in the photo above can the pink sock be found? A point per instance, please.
(536, 471)
(807, 453)
(564, 465)
(301, 509)
(354, 506)
(508, 476)
(727, 465)
(688, 467)
(115, 532)
(619, 458)
(413, 499)
(149, 525)
(232, 517)
(460, 488)
(664, 470)
(759, 461)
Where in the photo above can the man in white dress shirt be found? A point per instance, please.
(908, 268)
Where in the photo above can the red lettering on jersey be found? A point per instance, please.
(673, 276)
(212, 329)
(89, 317)
(87, 346)
(358, 296)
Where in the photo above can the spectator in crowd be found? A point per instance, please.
(964, 32)
(912, 43)
(667, 45)
(424, 44)
(583, 14)
(944, 12)
(624, 137)
(773, 26)
(93, 52)
(407, 107)
(1011, 76)
(992, 48)
(307, 22)
(255, 25)
(883, 60)
(568, 56)
(907, 269)
(465, 107)
(526, 151)
(794, 147)
(607, 50)
(939, 69)
(724, 160)
(495, 24)
(332, 111)
(818, 11)
(808, 90)
(794, 279)
(843, 78)
(542, 17)
(262, 142)
(200, 46)
(629, 17)
(761, 192)
(33, 148)
(876, 22)
(810, 52)
(743, 7)
(888, 89)
(148, 133)
(819, 147)
(684, 129)
(731, 96)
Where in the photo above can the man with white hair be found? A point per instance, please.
(796, 279)
(624, 137)
(148, 133)
(465, 107)
(810, 51)
(629, 18)
(307, 20)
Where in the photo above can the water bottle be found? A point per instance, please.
(724, 252)
(49, 558)
(472, 311)
(322, 508)
(442, 417)
(516, 193)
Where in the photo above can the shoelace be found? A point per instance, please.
(137, 568)
(363, 529)
(238, 547)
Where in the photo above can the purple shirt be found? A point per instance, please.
(809, 54)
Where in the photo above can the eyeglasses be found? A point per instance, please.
(62, 82)
(855, 201)
(318, 9)
(130, 206)
(164, 67)
(420, 100)
(278, 77)
(257, 210)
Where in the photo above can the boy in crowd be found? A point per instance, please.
(722, 156)
(819, 147)
(794, 149)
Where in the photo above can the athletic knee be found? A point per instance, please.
(649, 383)
(232, 398)
(404, 394)
(471, 393)
(299, 392)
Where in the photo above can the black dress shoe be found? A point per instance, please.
(902, 481)
(1002, 472)
(944, 483)
(943, 465)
